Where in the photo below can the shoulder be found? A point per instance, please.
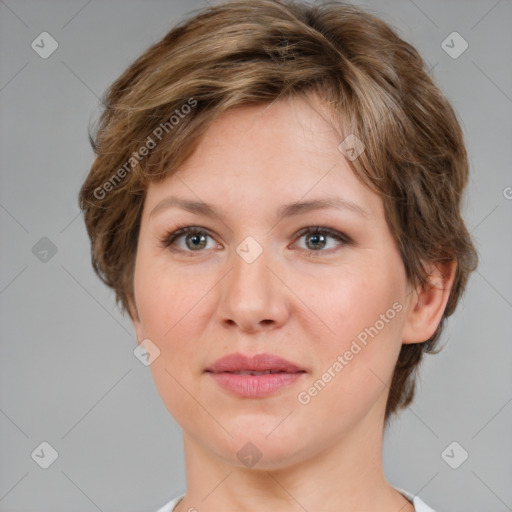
(169, 507)
(419, 504)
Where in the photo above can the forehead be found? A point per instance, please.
(267, 154)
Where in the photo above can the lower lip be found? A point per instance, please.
(255, 386)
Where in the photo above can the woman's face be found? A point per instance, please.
(333, 303)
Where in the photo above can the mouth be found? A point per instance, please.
(255, 376)
(255, 364)
(266, 372)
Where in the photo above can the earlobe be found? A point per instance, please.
(428, 303)
(134, 316)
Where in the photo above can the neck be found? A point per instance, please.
(345, 477)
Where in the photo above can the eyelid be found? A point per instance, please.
(184, 229)
(325, 230)
(180, 230)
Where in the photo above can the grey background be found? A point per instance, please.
(68, 374)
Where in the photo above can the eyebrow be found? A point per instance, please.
(287, 210)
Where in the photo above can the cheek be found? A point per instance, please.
(168, 317)
(365, 313)
(174, 309)
(165, 297)
(354, 301)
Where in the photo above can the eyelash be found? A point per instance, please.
(181, 230)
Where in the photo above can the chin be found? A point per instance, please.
(253, 448)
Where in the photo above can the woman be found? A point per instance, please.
(275, 201)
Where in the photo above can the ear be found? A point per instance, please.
(134, 316)
(428, 303)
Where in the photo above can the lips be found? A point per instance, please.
(259, 364)
(258, 376)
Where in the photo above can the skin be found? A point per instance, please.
(303, 299)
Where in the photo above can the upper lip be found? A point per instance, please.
(257, 363)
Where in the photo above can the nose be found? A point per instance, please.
(252, 296)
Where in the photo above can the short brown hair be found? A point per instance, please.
(254, 52)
